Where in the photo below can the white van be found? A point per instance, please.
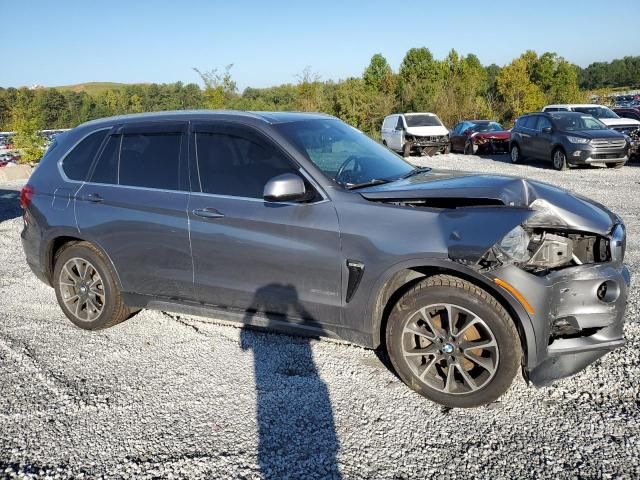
(602, 113)
(415, 132)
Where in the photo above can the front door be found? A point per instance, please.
(541, 140)
(252, 255)
(134, 207)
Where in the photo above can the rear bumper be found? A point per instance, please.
(569, 297)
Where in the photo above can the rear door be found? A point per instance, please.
(134, 206)
(527, 132)
(250, 254)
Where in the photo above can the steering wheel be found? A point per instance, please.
(355, 159)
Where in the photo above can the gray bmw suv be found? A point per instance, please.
(301, 223)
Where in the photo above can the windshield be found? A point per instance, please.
(598, 112)
(422, 121)
(572, 123)
(343, 153)
(487, 127)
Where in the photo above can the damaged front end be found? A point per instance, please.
(558, 255)
(571, 281)
(428, 144)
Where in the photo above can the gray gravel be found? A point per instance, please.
(164, 396)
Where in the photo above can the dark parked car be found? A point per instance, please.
(567, 139)
(301, 223)
(479, 136)
(628, 112)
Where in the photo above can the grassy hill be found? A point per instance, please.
(92, 87)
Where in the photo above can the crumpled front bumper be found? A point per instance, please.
(570, 297)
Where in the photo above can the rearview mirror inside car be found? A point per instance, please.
(287, 187)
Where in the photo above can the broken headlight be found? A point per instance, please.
(515, 245)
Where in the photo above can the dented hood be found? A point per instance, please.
(449, 189)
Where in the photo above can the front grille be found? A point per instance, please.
(605, 143)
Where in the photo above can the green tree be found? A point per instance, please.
(26, 123)
(517, 91)
(219, 88)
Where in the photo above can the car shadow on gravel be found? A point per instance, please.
(9, 205)
(296, 428)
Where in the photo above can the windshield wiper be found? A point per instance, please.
(416, 171)
(370, 183)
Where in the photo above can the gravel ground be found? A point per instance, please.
(165, 396)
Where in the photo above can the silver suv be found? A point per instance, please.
(301, 223)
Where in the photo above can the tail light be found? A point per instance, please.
(26, 194)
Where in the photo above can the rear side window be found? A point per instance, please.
(78, 161)
(236, 165)
(530, 122)
(150, 160)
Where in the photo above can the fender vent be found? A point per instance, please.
(356, 269)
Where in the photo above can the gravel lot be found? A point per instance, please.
(182, 397)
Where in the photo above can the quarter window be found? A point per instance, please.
(237, 165)
(106, 169)
(77, 162)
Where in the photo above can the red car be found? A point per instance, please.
(479, 136)
(628, 112)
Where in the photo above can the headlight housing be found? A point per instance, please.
(515, 245)
(578, 140)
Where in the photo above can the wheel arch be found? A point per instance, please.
(55, 245)
(403, 277)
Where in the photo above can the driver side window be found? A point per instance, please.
(236, 163)
(400, 124)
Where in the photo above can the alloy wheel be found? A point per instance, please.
(82, 289)
(515, 154)
(450, 349)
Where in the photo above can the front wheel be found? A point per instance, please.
(559, 159)
(86, 288)
(453, 342)
(406, 149)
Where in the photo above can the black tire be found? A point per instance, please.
(559, 159)
(384, 142)
(464, 296)
(406, 149)
(614, 164)
(113, 310)
(515, 154)
(468, 149)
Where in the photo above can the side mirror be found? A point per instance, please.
(547, 130)
(287, 187)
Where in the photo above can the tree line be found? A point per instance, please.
(456, 87)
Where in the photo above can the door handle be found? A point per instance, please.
(93, 197)
(208, 212)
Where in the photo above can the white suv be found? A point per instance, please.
(415, 132)
(602, 113)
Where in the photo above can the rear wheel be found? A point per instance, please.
(516, 154)
(559, 159)
(86, 288)
(614, 165)
(453, 343)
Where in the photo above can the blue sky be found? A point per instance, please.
(269, 42)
